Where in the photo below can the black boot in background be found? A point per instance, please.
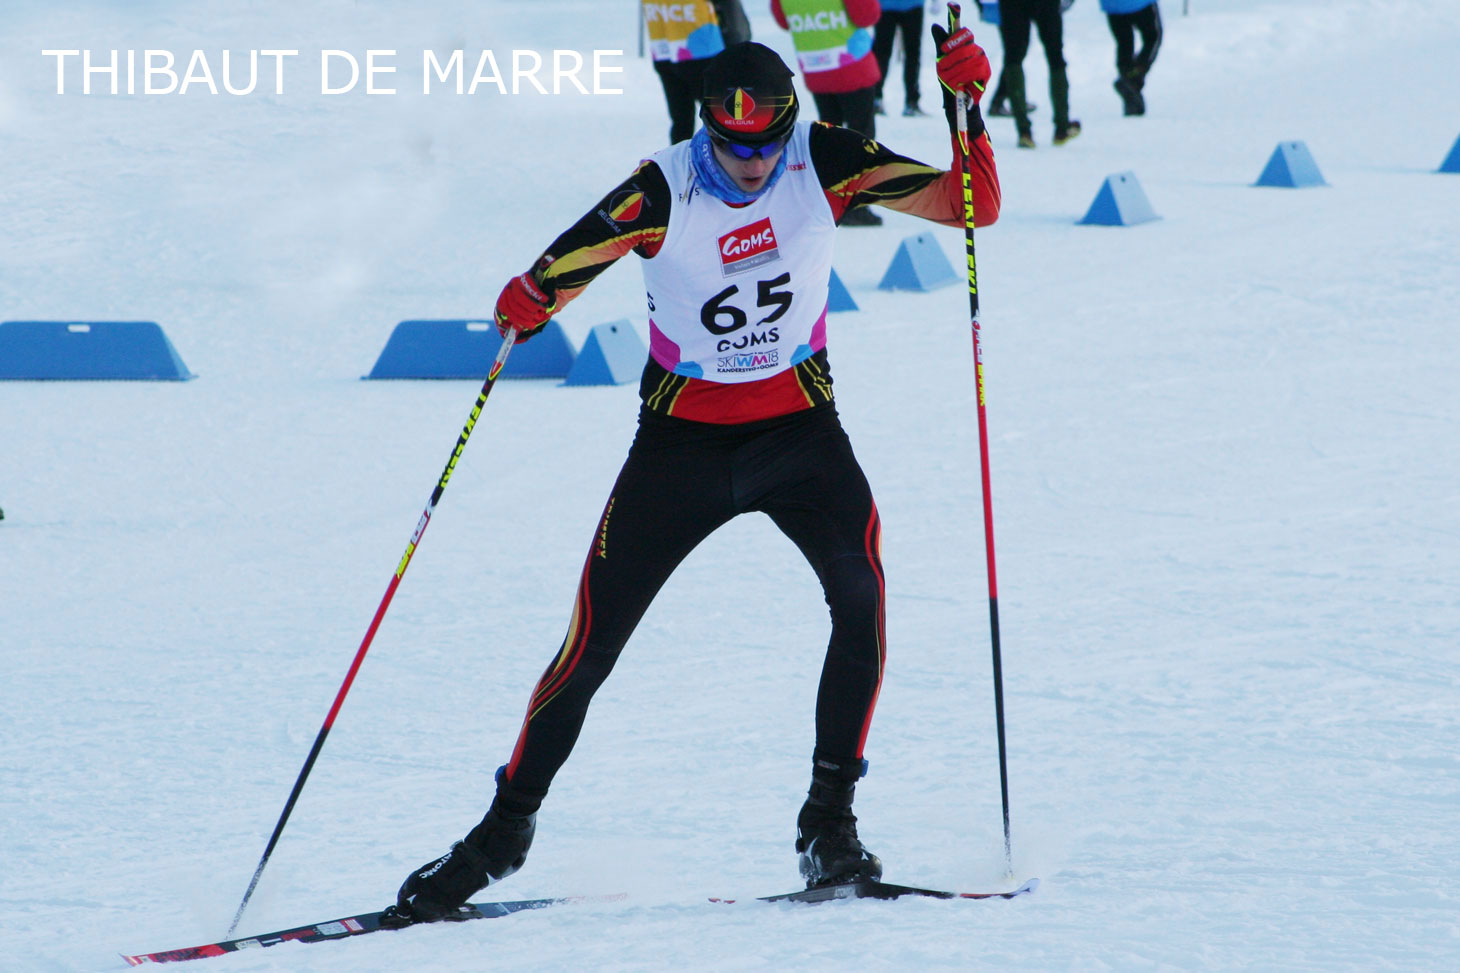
(1128, 86)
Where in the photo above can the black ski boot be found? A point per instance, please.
(494, 849)
(826, 830)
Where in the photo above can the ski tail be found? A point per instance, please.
(357, 925)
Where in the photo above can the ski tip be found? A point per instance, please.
(882, 890)
(1024, 889)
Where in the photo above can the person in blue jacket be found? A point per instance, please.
(1127, 17)
(905, 16)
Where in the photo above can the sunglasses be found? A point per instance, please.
(748, 152)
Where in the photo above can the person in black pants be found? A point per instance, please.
(737, 416)
(849, 109)
(1127, 18)
(684, 80)
(1015, 17)
(905, 16)
(998, 104)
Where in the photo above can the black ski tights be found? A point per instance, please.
(681, 481)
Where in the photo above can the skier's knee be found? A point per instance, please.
(854, 587)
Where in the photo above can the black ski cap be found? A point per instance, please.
(748, 95)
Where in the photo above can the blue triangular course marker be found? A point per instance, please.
(838, 298)
(918, 265)
(1291, 166)
(466, 349)
(1120, 202)
(612, 355)
(1452, 161)
(71, 350)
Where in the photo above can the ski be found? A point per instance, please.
(366, 922)
(884, 890)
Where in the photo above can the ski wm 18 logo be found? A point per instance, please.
(748, 247)
(752, 361)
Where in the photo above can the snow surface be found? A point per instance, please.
(1226, 487)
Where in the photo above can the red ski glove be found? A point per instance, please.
(962, 64)
(525, 306)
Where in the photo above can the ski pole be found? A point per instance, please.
(983, 448)
(400, 571)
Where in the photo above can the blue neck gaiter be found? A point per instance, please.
(716, 180)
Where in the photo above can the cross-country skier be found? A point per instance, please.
(735, 227)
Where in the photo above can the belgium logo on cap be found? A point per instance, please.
(740, 104)
(740, 112)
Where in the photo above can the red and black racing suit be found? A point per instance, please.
(706, 452)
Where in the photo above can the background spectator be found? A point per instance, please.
(1126, 17)
(1047, 16)
(905, 16)
(680, 47)
(834, 49)
(998, 103)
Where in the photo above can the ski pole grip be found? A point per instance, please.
(960, 98)
(503, 350)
